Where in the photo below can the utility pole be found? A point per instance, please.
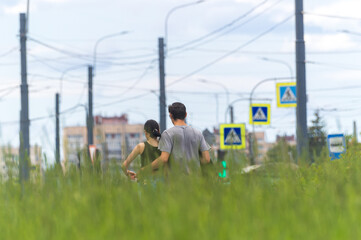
(57, 138)
(250, 148)
(231, 113)
(355, 131)
(24, 113)
(301, 111)
(90, 106)
(162, 101)
(217, 109)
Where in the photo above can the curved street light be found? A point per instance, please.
(281, 62)
(250, 104)
(202, 80)
(350, 32)
(218, 84)
(167, 19)
(65, 72)
(99, 41)
(239, 100)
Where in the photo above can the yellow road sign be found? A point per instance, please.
(232, 136)
(286, 94)
(260, 114)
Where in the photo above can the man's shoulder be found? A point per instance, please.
(167, 131)
(196, 131)
(178, 129)
(171, 130)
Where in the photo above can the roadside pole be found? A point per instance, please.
(301, 110)
(24, 150)
(90, 106)
(57, 127)
(162, 101)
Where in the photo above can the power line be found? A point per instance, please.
(334, 89)
(333, 65)
(232, 29)
(89, 57)
(208, 50)
(8, 91)
(151, 64)
(221, 28)
(9, 88)
(232, 51)
(9, 52)
(45, 63)
(74, 108)
(333, 16)
(65, 52)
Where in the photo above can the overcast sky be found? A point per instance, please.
(127, 65)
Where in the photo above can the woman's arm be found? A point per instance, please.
(157, 163)
(136, 151)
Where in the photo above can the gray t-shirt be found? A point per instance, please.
(184, 145)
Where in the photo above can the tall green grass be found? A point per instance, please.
(277, 201)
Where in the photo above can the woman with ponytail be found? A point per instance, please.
(148, 150)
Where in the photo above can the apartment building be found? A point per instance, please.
(114, 137)
(9, 158)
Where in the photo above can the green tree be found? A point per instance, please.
(317, 135)
(282, 152)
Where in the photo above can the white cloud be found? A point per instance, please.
(22, 6)
(244, 1)
(16, 9)
(54, 1)
(350, 8)
(235, 60)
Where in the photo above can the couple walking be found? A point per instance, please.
(180, 147)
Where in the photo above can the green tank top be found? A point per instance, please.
(149, 154)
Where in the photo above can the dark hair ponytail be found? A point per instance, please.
(152, 127)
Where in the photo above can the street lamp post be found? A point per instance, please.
(58, 99)
(350, 32)
(241, 99)
(168, 16)
(219, 84)
(66, 72)
(230, 107)
(281, 62)
(253, 158)
(162, 49)
(91, 74)
(99, 41)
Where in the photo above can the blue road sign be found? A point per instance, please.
(233, 136)
(336, 145)
(286, 94)
(260, 114)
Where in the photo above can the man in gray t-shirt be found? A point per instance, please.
(184, 145)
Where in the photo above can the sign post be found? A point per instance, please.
(92, 151)
(232, 136)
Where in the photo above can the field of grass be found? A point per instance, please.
(318, 201)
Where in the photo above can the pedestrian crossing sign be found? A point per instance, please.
(260, 114)
(286, 94)
(232, 136)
